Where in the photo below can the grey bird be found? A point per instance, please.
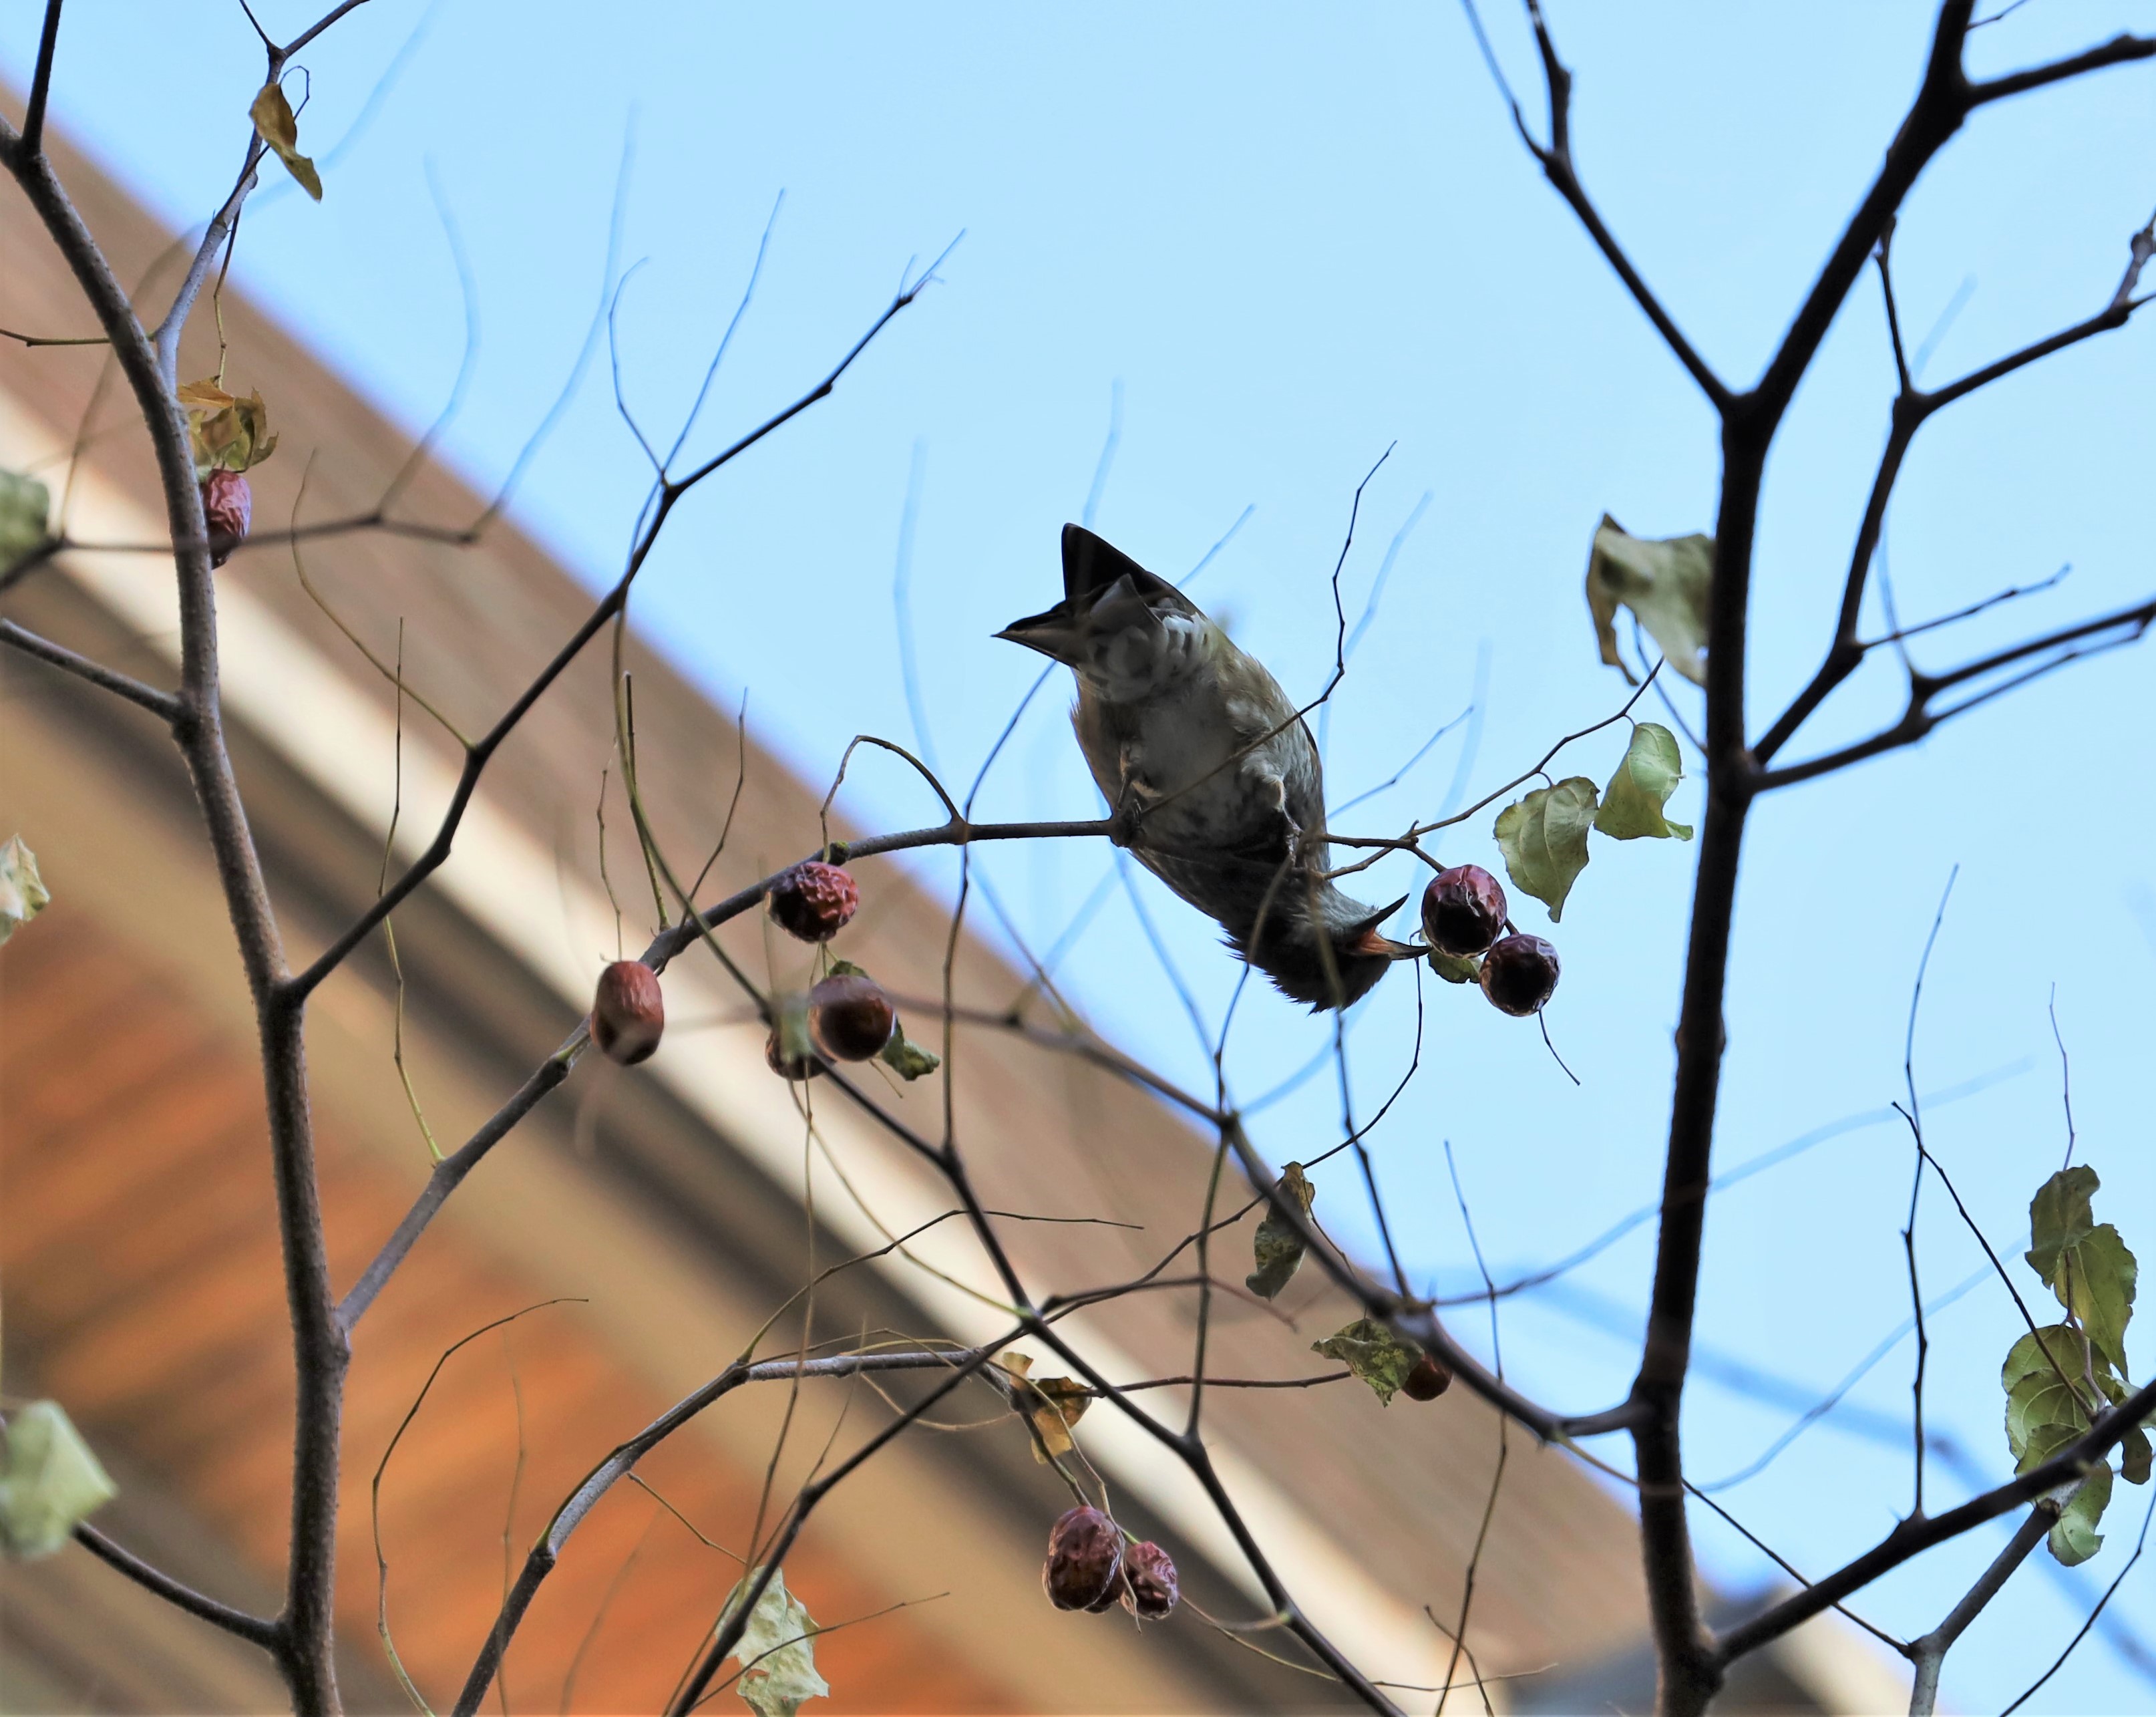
(1213, 777)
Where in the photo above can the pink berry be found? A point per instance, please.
(850, 1018)
(229, 510)
(627, 1012)
(813, 900)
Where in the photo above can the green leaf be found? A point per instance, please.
(2042, 1416)
(2074, 1538)
(227, 432)
(907, 1058)
(2043, 1411)
(2059, 1216)
(49, 1481)
(279, 128)
(1278, 1248)
(1373, 1354)
(1456, 968)
(777, 1650)
(23, 892)
(2087, 1265)
(2054, 1348)
(1544, 840)
(2046, 1376)
(2134, 1452)
(1664, 582)
(1632, 804)
(25, 504)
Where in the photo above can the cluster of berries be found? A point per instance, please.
(1090, 1567)
(1464, 915)
(849, 1017)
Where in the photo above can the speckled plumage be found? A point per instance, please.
(1195, 741)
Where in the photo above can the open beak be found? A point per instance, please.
(1370, 942)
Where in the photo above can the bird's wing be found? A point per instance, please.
(1259, 715)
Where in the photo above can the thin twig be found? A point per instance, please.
(257, 1630)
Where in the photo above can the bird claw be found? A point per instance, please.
(1131, 804)
(1123, 821)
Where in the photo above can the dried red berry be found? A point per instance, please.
(1463, 910)
(1430, 1378)
(1519, 974)
(228, 509)
(1150, 1588)
(849, 1017)
(774, 1054)
(1085, 1565)
(813, 900)
(627, 1012)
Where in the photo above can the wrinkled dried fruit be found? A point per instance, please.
(851, 1017)
(1430, 1378)
(1150, 1588)
(1085, 1565)
(1463, 910)
(813, 900)
(793, 1067)
(228, 509)
(627, 1012)
(1519, 974)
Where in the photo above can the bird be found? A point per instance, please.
(1211, 775)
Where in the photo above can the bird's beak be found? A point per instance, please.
(1049, 633)
(1369, 941)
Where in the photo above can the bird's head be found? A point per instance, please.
(1326, 952)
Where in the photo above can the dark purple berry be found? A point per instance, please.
(813, 900)
(1150, 1588)
(1430, 1378)
(627, 1012)
(1463, 910)
(1519, 974)
(1085, 1565)
(849, 1017)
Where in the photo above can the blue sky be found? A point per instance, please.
(1289, 239)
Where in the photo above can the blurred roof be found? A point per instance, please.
(669, 1202)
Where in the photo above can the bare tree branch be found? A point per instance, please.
(1912, 408)
(296, 989)
(1929, 1652)
(2068, 644)
(2119, 50)
(622, 1460)
(256, 1629)
(161, 704)
(41, 81)
(1555, 159)
(1913, 1537)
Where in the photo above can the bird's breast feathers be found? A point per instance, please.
(1211, 739)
